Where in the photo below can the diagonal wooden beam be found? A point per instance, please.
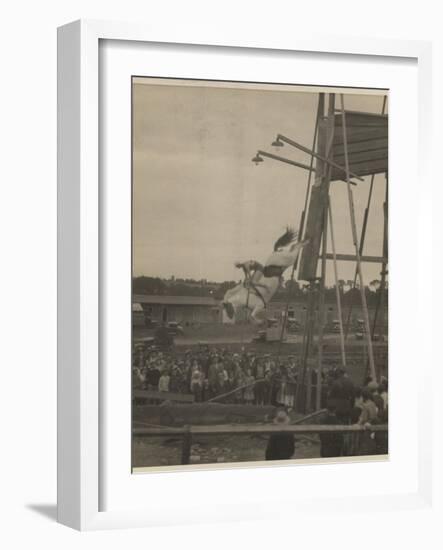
(285, 160)
(294, 163)
(316, 155)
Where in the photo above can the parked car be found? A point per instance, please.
(360, 330)
(272, 332)
(293, 325)
(144, 343)
(175, 328)
(272, 323)
(151, 323)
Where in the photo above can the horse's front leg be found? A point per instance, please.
(257, 315)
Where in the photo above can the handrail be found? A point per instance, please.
(232, 429)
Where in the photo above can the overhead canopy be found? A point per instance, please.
(367, 143)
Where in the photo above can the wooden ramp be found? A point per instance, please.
(180, 414)
(164, 396)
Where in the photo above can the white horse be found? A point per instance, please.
(262, 282)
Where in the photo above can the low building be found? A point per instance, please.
(298, 311)
(181, 309)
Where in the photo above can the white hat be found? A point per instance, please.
(281, 417)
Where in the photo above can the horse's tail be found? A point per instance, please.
(287, 238)
(229, 308)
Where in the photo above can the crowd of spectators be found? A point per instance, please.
(248, 378)
(348, 404)
(210, 372)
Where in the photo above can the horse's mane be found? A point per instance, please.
(288, 237)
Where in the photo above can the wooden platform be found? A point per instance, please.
(367, 144)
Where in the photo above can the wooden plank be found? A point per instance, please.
(357, 119)
(353, 258)
(160, 432)
(368, 168)
(361, 134)
(374, 160)
(363, 145)
(164, 396)
(360, 123)
(370, 155)
(186, 445)
(351, 112)
(240, 429)
(287, 428)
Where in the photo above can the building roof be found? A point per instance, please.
(158, 299)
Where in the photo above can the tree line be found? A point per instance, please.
(291, 289)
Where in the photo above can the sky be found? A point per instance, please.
(200, 204)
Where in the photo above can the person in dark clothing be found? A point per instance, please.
(275, 384)
(267, 388)
(382, 438)
(281, 446)
(152, 378)
(341, 397)
(260, 392)
(331, 443)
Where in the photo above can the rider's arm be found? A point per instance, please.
(245, 266)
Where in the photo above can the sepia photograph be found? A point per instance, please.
(259, 273)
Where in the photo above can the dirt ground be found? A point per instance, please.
(211, 449)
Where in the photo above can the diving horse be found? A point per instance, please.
(262, 282)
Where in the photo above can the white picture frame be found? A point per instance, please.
(80, 435)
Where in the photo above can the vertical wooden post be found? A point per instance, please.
(300, 396)
(309, 258)
(307, 367)
(321, 312)
(304, 386)
(337, 291)
(362, 243)
(356, 245)
(325, 181)
(314, 222)
(381, 291)
(301, 228)
(186, 445)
